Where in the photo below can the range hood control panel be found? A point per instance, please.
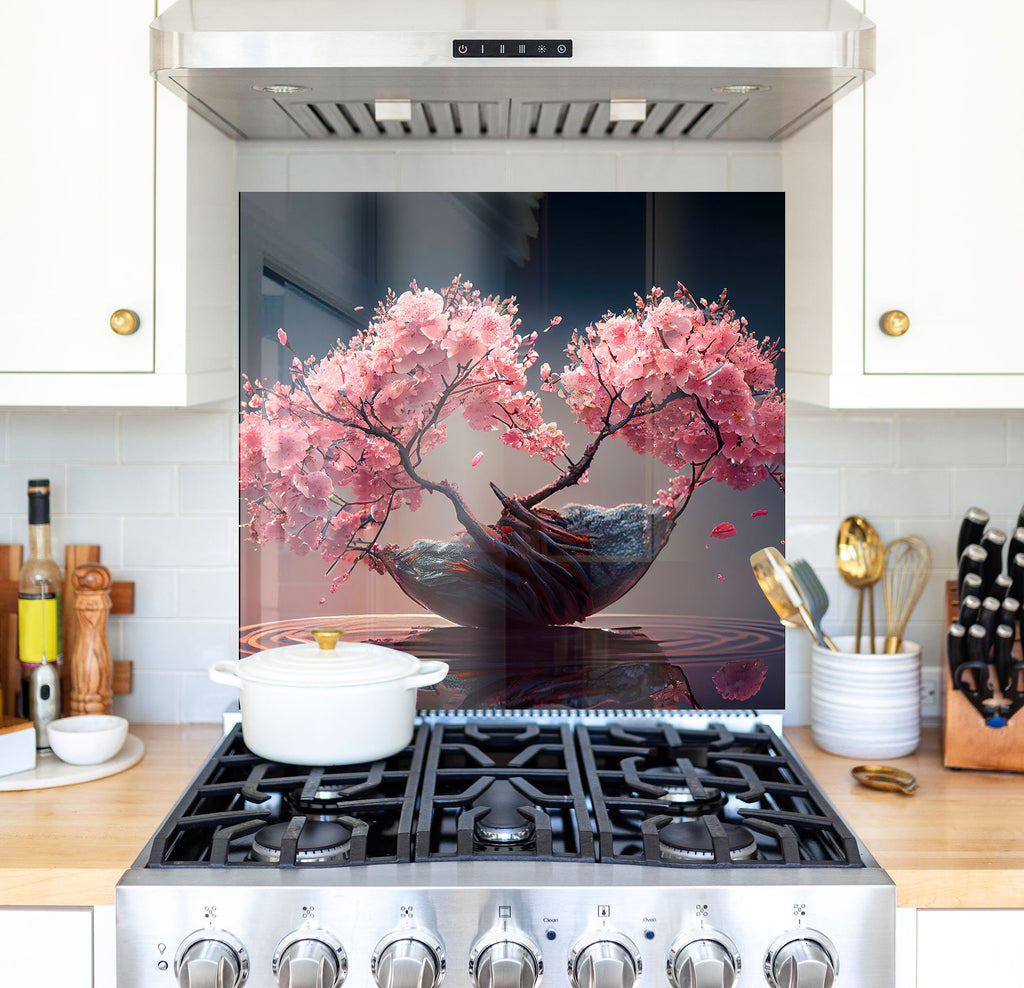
(514, 48)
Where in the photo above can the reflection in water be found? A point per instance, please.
(623, 662)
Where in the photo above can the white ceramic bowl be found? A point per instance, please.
(88, 739)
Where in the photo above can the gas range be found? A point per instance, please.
(500, 850)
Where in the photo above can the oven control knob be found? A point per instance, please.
(705, 960)
(310, 959)
(211, 959)
(608, 960)
(505, 961)
(409, 959)
(801, 959)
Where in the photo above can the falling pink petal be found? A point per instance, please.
(759, 513)
(724, 530)
(282, 337)
(476, 459)
(706, 546)
(721, 579)
(323, 600)
(741, 679)
(358, 308)
(556, 320)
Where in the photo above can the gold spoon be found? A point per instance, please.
(860, 559)
(776, 580)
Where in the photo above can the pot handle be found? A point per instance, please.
(224, 672)
(430, 674)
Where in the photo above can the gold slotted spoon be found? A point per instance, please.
(860, 559)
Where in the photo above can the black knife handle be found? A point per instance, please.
(972, 560)
(1016, 545)
(956, 652)
(1009, 612)
(973, 524)
(1002, 660)
(980, 690)
(977, 654)
(1001, 586)
(988, 618)
(1017, 576)
(970, 608)
(993, 542)
(971, 587)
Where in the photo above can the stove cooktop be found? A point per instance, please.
(638, 792)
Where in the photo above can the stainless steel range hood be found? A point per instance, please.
(494, 69)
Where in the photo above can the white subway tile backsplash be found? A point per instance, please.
(979, 440)
(653, 172)
(180, 542)
(897, 493)
(154, 699)
(73, 437)
(122, 490)
(101, 530)
(209, 490)
(812, 493)
(203, 701)
(174, 437)
(179, 645)
(568, 171)
(999, 490)
(339, 172)
(208, 593)
(156, 592)
(475, 172)
(816, 440)
(755, 172)
(1015, 439)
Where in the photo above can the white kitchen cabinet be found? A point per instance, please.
(99, 215)
(46, 946)
(907, 197)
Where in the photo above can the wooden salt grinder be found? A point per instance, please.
(92, 669)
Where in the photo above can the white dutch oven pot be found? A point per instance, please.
(328, 703)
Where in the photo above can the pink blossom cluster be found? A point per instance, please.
(324, 461)
(684, 381)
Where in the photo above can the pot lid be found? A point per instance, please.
(343, 664)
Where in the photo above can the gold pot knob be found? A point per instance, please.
(124, 322)
(895, 323)
(327, 638)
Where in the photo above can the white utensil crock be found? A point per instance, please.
(304, 705)
(863, 705)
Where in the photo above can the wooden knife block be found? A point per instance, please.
(967, 741)
(122, 596)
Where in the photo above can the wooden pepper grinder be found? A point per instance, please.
(92, 670)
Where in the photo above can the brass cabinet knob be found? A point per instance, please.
(895, 323)
(124, 322)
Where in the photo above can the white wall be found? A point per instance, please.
(157, 489)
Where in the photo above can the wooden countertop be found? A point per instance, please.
(959, 842)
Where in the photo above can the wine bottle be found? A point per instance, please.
(39, 592)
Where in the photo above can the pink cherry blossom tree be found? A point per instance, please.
(326, 459)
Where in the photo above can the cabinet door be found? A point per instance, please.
(43, 946)
(76, 194)
(944, 213)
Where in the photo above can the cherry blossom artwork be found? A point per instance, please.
(514, 440)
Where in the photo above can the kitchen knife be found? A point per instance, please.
(970, 608)
(1016, 545)
(973, 524)
(988, 618)
(977, 666)
(971, 587)
(1017, 575)
(1020, 518)
(992, 542)
(1009, 612)
(956, 653)
(1000, 587)
(1002, 661)
(972, 560)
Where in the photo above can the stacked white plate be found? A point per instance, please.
(866, 705)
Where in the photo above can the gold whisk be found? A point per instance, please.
(908, 564)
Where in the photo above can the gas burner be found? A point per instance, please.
(691, 841)
(318, 843)
(682, 802)
(326, 803)
(502, 824)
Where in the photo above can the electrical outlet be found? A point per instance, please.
(931, 694)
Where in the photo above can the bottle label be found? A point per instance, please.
(39, 629)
